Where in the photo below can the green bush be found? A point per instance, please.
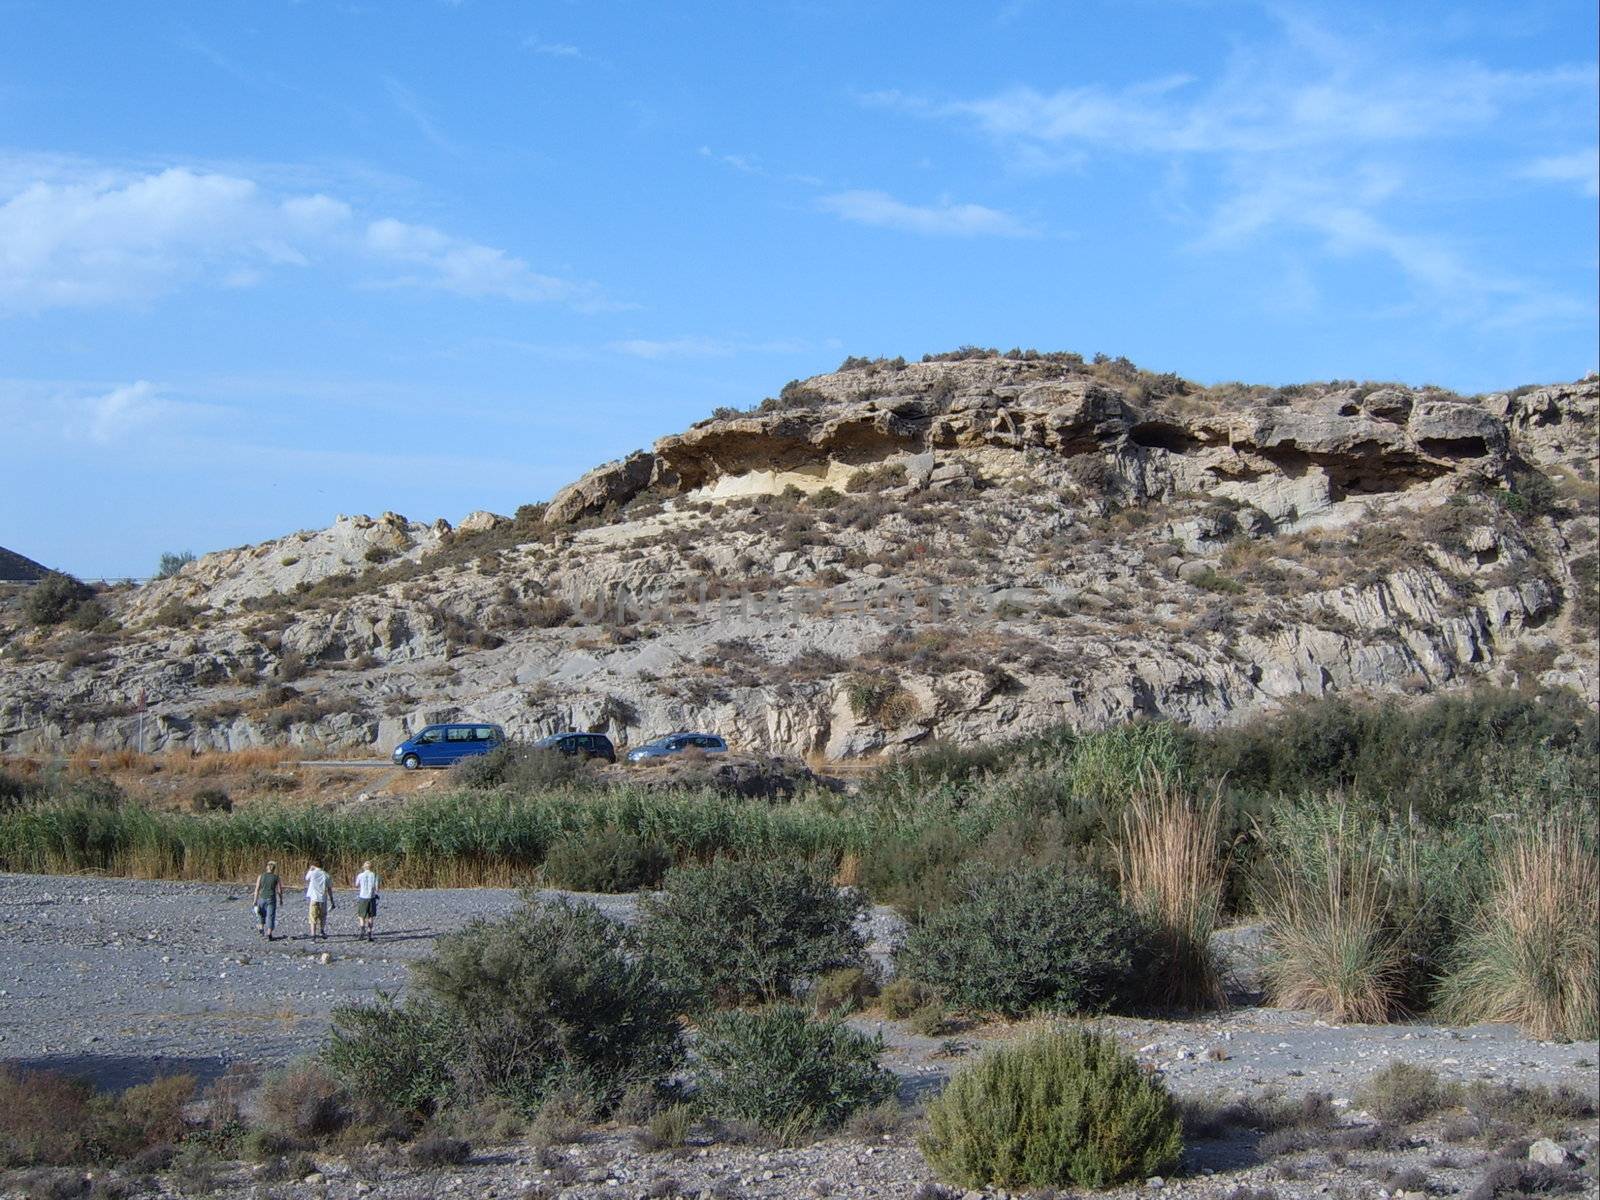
(54, 598)
(551, 998)
(1026, 938)
(1066, 1108)
(786, 1071)
(606, 860)
(901, 997)
(172, 562)
(402, 1052)
(1403, 1094)
(518, 768)
(211, 799)
(547, 1002)
(15, 792)
(843, 991)
(304, 1101)
(1438, 760)
(736, 930)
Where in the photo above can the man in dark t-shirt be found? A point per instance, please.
(269, 891)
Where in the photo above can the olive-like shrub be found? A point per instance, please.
(786, 1071)
(1064, 1108)
(552, 999)
(741, 930)
(1023, 938)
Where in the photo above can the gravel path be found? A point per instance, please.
(121, 981)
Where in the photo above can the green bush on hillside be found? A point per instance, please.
(55, 598)
(1065, 1108)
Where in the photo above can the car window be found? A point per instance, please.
(459, 734)
(484, 733)
(428, 736)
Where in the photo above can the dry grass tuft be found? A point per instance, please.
(1172, 872)
(1332, 901)
(211, 763)
(1531, 957)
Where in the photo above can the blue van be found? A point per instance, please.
(441, 745)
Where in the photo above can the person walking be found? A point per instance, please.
(319, 899)
(269, 894)
(366, 900)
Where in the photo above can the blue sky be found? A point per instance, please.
(265, 262)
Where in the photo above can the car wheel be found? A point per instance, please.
(411, 762)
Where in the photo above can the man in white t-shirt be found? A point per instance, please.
(319, 897)
(366, 900)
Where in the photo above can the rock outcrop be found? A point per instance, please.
(893, 554)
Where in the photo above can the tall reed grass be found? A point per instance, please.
(463, 839)
(1336, 893)
(1172, 873)
(1532, 954)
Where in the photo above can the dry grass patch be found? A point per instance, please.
(1331, 896)
(1172, 872)
(1531, 957)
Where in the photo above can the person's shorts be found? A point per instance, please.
(319, 910)
(365, 907)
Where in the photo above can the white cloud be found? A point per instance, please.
(551, 49)
(71, 237)
(945, 219)
(1581, 169)
(116, 414)
(1308, 134)
(407, 102)
(739, 162)
(680, 347)
(703, 347)
(468, 268)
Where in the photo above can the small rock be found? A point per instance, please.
(1547, 1152)
(1155, 1181)
(314, 1177)
(324, 958)
(1214, 1054)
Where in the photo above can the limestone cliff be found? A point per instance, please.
(963, 548)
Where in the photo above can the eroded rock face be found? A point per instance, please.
(613, 484)
(892, 555)
(349, 545)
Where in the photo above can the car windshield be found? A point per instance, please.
(545, 743)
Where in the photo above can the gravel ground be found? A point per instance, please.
(121, 981)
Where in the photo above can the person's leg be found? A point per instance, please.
(270, 910)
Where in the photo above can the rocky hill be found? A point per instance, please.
(14, 568)
(972, 546)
